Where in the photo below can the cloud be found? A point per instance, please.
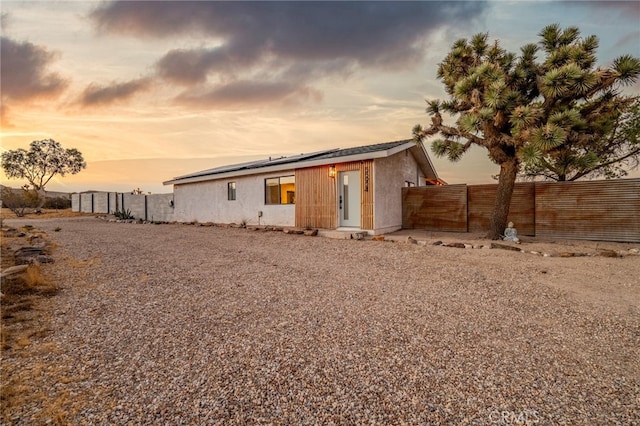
(371, 33)
(257, 46)
(627, 9)
(4, 20)
(191, 66)
(630, 39)
(245, 92)
(24, 71)
(95, 95)
(4, 116)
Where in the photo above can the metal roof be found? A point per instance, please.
(362, 149)
(298, 161)
(254, 164)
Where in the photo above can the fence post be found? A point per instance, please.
(466, 206)
(535, 207)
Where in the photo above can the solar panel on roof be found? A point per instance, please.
(255, 164)
(319, 155)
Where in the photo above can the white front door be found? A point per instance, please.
(349, 199)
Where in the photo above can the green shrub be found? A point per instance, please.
(123, 214)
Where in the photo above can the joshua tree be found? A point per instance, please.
(610, 155)
(524, 111)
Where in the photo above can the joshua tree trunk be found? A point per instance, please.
(506, 182)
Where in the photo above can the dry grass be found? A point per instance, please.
(26, 386)
(31, 282)
(33, 277)
(24, 325)
(46, 214)
(6, 258)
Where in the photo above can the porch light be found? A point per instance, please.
(332, 171)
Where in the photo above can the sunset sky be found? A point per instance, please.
(152, 90)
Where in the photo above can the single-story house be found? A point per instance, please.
(352, 189)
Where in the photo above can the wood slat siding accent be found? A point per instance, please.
(316, 195)
(366, 194)
(315, 198)
(435, 208)
(366, 189)
(594, 210)
(481, 198)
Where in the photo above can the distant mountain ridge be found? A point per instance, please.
(50, 194)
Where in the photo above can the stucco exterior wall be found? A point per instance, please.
(390, 174)
(207, 202)
(159, 207)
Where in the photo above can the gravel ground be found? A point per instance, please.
(177, 324)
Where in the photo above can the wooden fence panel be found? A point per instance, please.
(481, 198)
(606, 210)
(594, 210)
(435, 208)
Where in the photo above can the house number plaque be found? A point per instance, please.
(366, 179)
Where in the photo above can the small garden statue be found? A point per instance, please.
(511, 234)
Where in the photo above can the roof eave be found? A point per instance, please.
(431, 172)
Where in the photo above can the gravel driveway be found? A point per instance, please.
(177, 324)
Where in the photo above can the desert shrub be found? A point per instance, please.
(19, 200)
(57, 203)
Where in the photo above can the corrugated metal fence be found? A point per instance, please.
(606, 210)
